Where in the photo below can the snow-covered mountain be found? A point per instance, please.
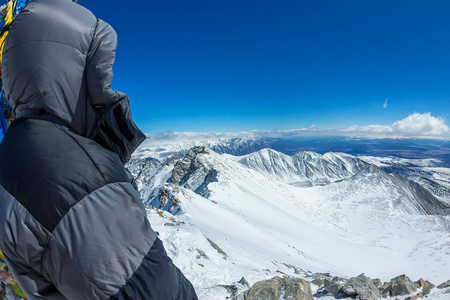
(304, 168)
(166, 150)
(264, 213)
(429, 173)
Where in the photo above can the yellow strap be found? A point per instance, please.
(19, 291)
(15, 287)
(8, 20)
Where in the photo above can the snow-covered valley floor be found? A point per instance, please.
(255, 226)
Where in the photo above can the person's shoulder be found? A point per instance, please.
(51, 8)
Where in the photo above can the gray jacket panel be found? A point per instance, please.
(102, 240)
(86, 256)
(31, 237)
(75, 58)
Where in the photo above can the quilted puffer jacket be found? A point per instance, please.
(72, 225)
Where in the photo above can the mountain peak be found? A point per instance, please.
(244, 205)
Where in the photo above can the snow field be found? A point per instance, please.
(364, 224)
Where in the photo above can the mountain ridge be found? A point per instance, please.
(369, 213)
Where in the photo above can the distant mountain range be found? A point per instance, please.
(177, 146)
(264, 212)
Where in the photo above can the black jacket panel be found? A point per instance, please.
(57, 167)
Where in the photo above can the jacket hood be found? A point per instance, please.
(57, 61)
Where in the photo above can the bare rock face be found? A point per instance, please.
(444, 285)
(333, 286)
(401, 285)
(280, 288)
(193, 172)
(187, 166)
(163, 198)
(385, 289)
(361, 287)
(425, 285)
(418, 296)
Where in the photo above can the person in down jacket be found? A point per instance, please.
(72, 225)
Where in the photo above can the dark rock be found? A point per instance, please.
(201, 254)
(232, 289)
(331, 287)
(425, 285)
(163, 198)
(193, 172)
(320, 276)
(265, 289)
(419, 295)
(244, 282)
(318, 282)
(444, 285)
(189, 164)
(402, 285)
(338, 279)
(280, 288)
(171, 224)
(376, 282)
(218, 249)
(296, 288)
(296, 269)
(361, 287)
(385, 289)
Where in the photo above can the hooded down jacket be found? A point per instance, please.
(72, 226)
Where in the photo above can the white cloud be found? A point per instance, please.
(385, 103)
(422, 124)
(415, 125)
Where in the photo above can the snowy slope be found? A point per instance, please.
(369, 222)
(304, 168)
(429, 173)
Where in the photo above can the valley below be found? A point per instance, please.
(230, 221)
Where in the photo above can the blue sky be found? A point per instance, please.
(214, 66)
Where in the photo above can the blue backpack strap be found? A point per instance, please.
(19, 5)
(3, 125)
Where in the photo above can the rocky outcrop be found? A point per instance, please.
(193, 172)
(333, 286)
(159, 183)
(163, 198)
(444, 285)
(144, 173)
(361, 287)
(365, 288)
(402, 285)
(280, 288)
(425, 285)
(218, 249)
